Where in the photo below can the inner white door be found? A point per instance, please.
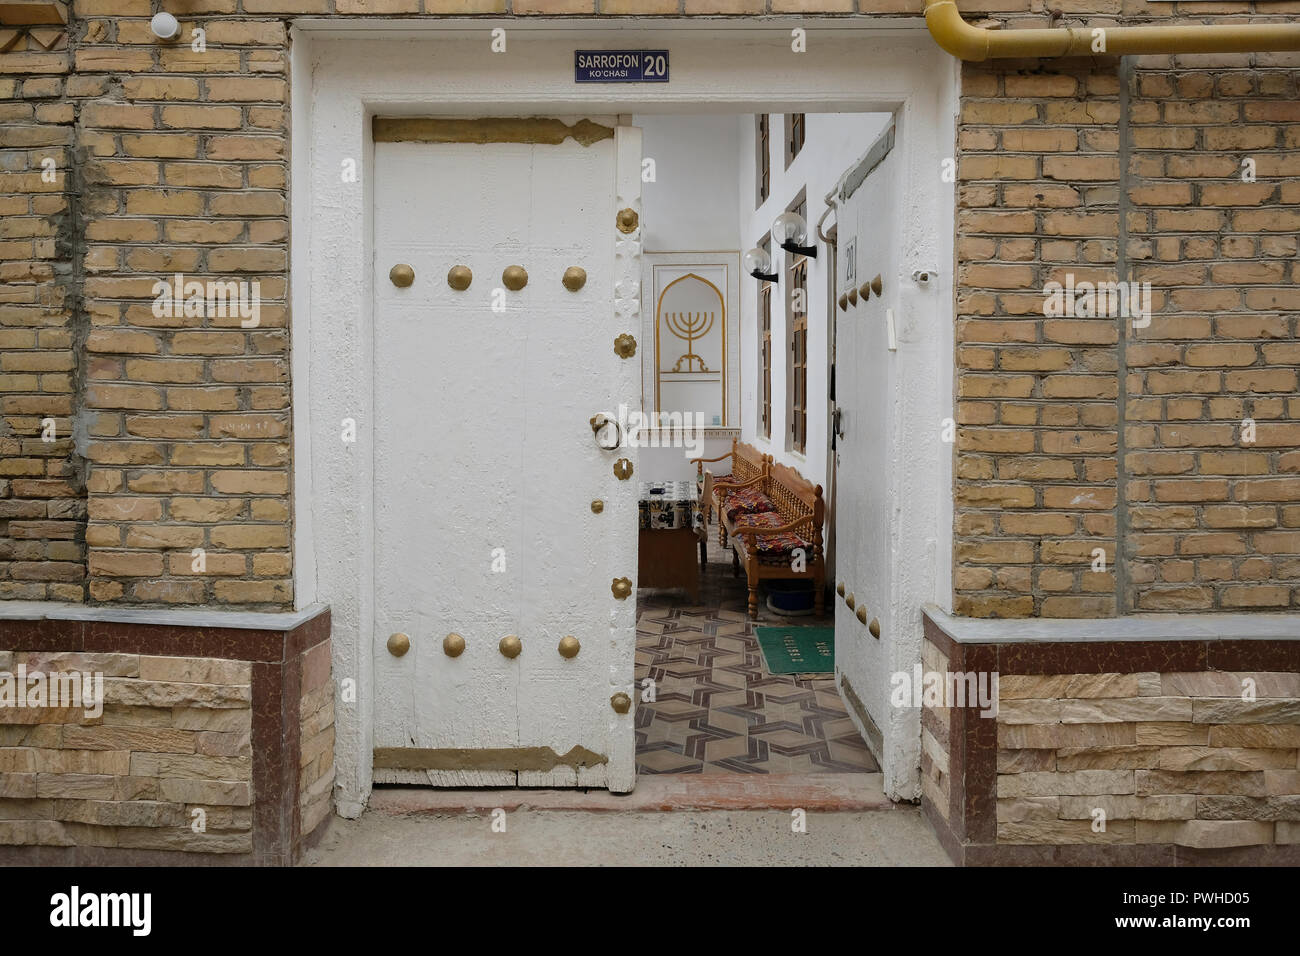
(486, 466)
(868, 397)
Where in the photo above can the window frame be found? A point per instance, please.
(765, 351)
(797, 341)
(796, 135)
(799, 357)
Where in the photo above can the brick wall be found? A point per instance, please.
(1082, 171)
(1036, 479)
(1214, 512)
(174, 486)
(187, 415)
(42, 492)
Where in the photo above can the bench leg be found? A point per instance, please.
(753, 601)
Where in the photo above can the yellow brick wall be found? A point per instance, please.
(174, 161)
(42, 496)
(1038, 166)
(1081, 435)
(1214, 516)
(189, 416)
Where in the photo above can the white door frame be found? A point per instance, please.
(345, 71)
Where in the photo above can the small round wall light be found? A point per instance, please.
(759, 264)
(790, 232)
(164, 25)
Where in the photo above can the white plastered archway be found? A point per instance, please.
(343, 72)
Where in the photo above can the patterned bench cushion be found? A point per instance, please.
(762, 519)
(772, 548)
(719, 493)
(777, 548)
(746, 501)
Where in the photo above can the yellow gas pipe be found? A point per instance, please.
(967, 42)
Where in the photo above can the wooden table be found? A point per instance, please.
(671, 529)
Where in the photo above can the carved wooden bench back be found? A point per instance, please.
(747, 461)
(797, 497)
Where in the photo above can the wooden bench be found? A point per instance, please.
(748, 464)
(768, 517)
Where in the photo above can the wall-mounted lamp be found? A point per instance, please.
(759, 264)
(790, 232)
(164, 26)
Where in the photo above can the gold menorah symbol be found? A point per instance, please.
(690, 326)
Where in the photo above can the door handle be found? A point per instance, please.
(598, 425)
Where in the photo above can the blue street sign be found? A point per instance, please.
(620, 66)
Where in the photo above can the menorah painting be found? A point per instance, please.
(690, 340)
(690, 326)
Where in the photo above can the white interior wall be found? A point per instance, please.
(674, 464)
(689, 206)
(833, 141)
(703, 199)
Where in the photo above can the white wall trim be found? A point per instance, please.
(304, 545)
(159, 616)
(341, 27)
(1135, 627)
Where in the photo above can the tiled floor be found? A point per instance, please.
(717, 709)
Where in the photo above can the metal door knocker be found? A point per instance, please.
(601, 428)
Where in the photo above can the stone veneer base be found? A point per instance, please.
(1123, 646)
(274, 644)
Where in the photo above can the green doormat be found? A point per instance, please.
(798, 650)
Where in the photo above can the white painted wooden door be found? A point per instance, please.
(868, 395)
(486, 466)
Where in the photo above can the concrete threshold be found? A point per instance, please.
(822, 792)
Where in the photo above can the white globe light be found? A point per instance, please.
(789, 227)
(756, 260)
(164, 25)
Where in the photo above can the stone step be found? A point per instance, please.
(823, 792)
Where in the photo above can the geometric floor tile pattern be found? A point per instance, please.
(716, 708)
